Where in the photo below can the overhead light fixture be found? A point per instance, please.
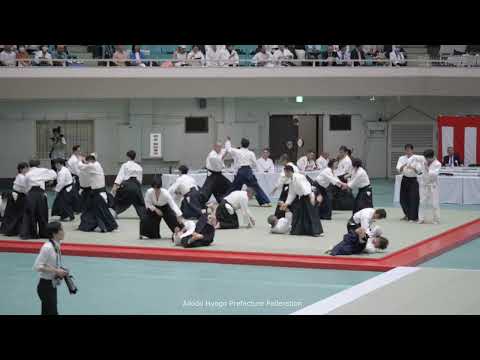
(372, 98)
(299, 99)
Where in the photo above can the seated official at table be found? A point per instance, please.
(451, 159)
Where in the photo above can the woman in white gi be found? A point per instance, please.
(63, 204)
(429, 187)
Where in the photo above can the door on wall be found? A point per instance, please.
(283, 128)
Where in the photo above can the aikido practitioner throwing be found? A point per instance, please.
(226, 212)
(322, 184)
(305, 219)
(36, 207)
(246, 161)
(365, 219)
(216, 183)
(409, 188)
(64, 201)
(196, 235)
(284, 184)
(343, 200)
(127, 188)
(192, 203)
(72, 165)
(360, 181)
(360, 241)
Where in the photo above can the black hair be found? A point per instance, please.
(58, 129)
(59, 161)
(90, 157)
(34, 163)
(343, 148)
(75, 148)
(356, 163)
(21, 166)
(310, 151)
(408, 146)
(53, 228)
(157, 181)
(252, 190)
(382, 213)
(183, 169)
(382, 242)
(131, 154)
(429, 154)
(349, 152)
(245, 143)
(284, 157)
(288, 168)
(331, 162)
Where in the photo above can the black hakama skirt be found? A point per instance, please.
(77, 200)
(350, 245)
(364, 199)
(97, 213)
(63, 204)
(352, 225)
(85, 198)
(35, 216)
(325, 207)
(305, 219)
(192, 204)
(129, 194)
(204, 228)
(13, 217)
(224, 218)
(283, 197)
(410, 197)
(150, 223)
(217, 185)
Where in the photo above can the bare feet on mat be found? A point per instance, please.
(404, 218)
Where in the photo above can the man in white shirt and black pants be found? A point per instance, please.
(192, 201)
(48, 264)
(73, 167)
(216, 183)
(127, 188)
(409, 189)
(63, 203)
(225, 213)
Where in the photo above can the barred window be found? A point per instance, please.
(76, 132)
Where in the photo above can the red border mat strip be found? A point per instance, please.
(409, 256)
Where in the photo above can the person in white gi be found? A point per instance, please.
(282, 225)
(180, 56)
(396, 56)
(322, 161)
(344, 168)
(217, 56)
(233, 58)
(63, 203)
(263, 58)
(322, 191)
(281, 56)
(365, 219)
(429, 187)
(264, 163)
(196, 57)
(409, 188)
(225, 212)
(307, 162)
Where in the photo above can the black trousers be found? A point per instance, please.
(283, 197)
(36, 213)
(48, 295)
(410, 197)
(245, 176)
(225, 219)
(150, 223)
(130, 193)
(215, 184)
(364, 199)
(192, 204)
(325, 208)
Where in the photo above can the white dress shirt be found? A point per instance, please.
(20, 184)
(283, 179)
(284, 225)
(279, 56)
(41, 57)
(404, 160)
(242, 157)
(306, 165)
(128, 170)
(430, 173)
(298, 187)
(321, 163)
(265, 166)
(182, 185)
(164, 198)
(344, 166)
(214, 161)
(95, 177)
(219, 57)
(326, 178)
(73, 164)
(260, 57)
(239, 201)
(38, 176)
(64, 178)
(47, 256)
(359, 179)
(198, 57)
(364, 217)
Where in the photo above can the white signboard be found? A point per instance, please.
(156, 145)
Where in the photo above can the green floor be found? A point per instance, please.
(466, 256)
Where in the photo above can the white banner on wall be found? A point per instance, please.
(447, 138)
(156, 145)
(470, 150)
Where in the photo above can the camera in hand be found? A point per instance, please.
(72, 288)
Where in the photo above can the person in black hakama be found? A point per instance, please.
(305, 219)
(72, 164)
(216, 183)
(358, 241)
(283, 183)
(16, 201)
(128, 187)
(196, 235)
(343, 199)
(192, 202)
(226, 212)
(409, 188)
(35, 217)
(324, 184)
(159, 205)
(96, 213)
(63, 203)
(360, 181)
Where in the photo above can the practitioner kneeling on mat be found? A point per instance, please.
(358, 241)
(196, 235)
(225, 212)
(365, 218)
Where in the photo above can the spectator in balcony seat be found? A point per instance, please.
(342, 56)
(217, 56)
(61, 52)
(136, 56)
(23, 59)
(358, 54)
(233, 58)
(8, 56)
(120, 56)
(32, 49)
(180, 56)
(263, 58)
(196, 56)
(397, 58)
(281, 55)
(43, 57)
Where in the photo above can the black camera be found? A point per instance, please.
(72, 288)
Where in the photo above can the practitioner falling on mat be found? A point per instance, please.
(323, 189)
(159, 205)
(283, 183)
(196, 235)
(359, 241)
(192, 203)
(127, 189)
(226, 212)
(96, 212)
(305, 219)
(360, 181)
(322, 161)
(16, 201)
(216, 183)
(282, 225)
(36, 206)
(64, 201)
(246, 161)
(409, 188)
(429, 187)
(307, 162)
(365, 218)
(343, 200)
(72, 165)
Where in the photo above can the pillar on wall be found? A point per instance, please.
(229, 110)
